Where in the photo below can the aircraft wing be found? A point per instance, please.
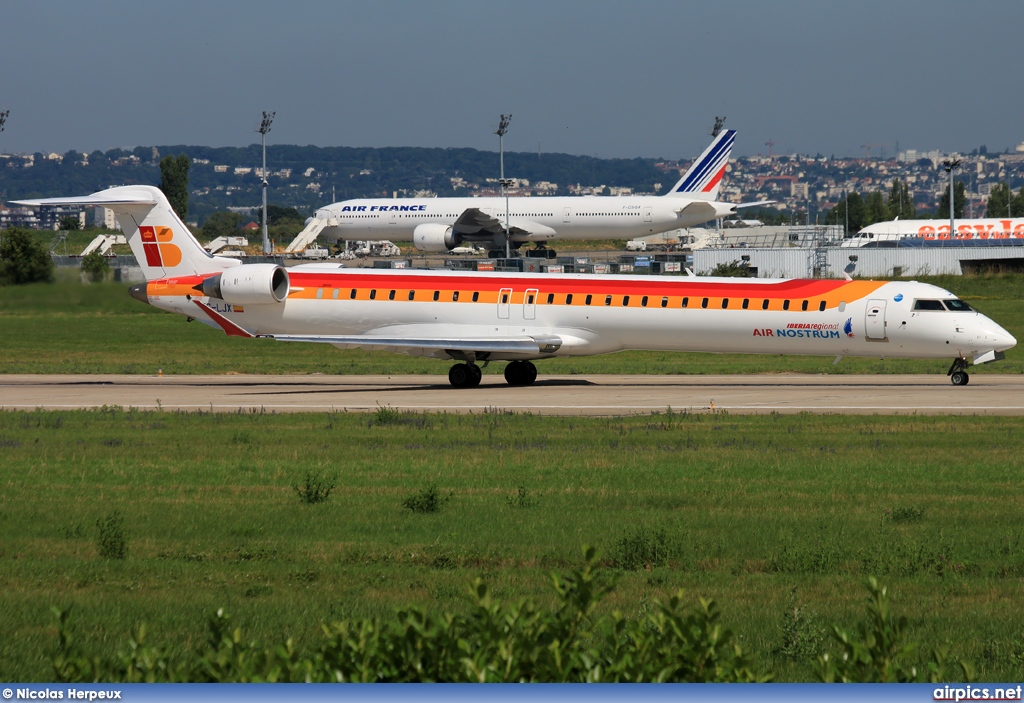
(456, 347)
(474, 223)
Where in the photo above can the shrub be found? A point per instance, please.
(642, 549)
(904, 515)
(112, 542)
(23, 259)
(735, 269)
(95, 266)
(429, 500)
(315, 489)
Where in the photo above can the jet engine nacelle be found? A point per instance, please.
(432, 236)
(249, 284)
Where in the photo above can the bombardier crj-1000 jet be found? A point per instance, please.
(442, 224)
(474, 317)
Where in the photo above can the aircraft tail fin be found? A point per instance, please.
(704, 177)
(161, 242)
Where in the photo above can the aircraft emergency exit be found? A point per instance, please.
(473, 317)
(442, 224)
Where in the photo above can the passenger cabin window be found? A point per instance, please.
(373, 294)
(551, 298)
(785, 305)
(686, 302)
(704, 303)
(391, 295)
(412, 295)
(725, 303)
(746, 303)
(568, 298)
(476, 296)
(803, 305)
(764, 304)
(529, 299)
(625, 301)
(664, 302)
(821, 306)
(607, 300)
(957, 306)
(455, 296)
(352, 295)
(437, 295)
(928, 305)
(643, 302)
(504, 298)
(588, 299)
(335, 293)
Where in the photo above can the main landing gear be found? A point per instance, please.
(465, 375)
(958, 372)
(520, 373)
(517, 373)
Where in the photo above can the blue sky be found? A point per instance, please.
(610, 79)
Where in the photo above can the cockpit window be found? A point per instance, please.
(958, 306)
(928, 305)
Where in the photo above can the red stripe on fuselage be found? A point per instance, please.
(793, 288)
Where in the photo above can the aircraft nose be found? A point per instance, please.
(998, 337)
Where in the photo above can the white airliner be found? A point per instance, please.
(994, 231)
(476, 317)
(442, 224)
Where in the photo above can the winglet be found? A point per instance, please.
(229, 327)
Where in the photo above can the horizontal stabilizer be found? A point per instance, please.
(124, 196)
(755, 204)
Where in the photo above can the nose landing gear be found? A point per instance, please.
(465, 375)
(958, 372)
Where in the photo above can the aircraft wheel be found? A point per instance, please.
(514, 373)
(460, 375)
(960, 378)
(475, 375)
(520, 373)
(529, 373)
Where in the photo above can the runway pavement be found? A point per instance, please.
(550, 395)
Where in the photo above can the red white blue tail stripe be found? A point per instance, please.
(705, 175)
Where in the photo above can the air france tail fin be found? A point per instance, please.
(703, 179)
(159, 239)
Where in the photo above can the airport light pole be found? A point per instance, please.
(268, 117)
(502, 130)
(951, 165)
(3, 121)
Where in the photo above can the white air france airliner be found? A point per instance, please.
(442, 224)
(473, 317)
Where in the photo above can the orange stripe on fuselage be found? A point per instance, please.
(489, 288)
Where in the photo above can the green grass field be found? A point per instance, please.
(74, 328)
(759, 512)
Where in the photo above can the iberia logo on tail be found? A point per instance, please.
(156, 242)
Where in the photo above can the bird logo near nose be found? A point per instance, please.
(848, 327)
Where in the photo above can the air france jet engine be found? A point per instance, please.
(432, 236)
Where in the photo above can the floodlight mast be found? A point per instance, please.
(502, 130)
(268, 117)
(3, 121)
(951, 165)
